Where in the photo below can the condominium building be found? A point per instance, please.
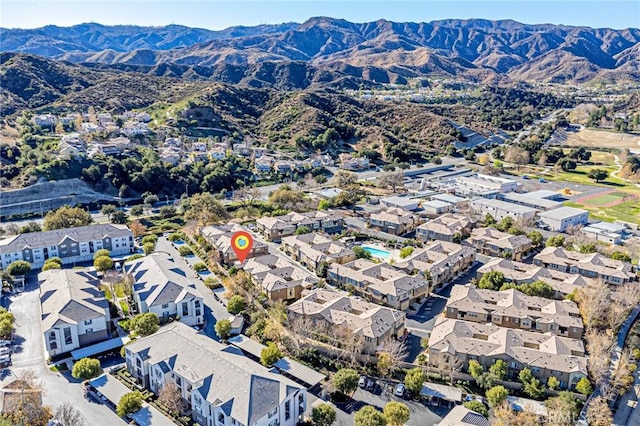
(275, 228)
(394, 221)
(491, 242)
(219, 236)
(279, 278)
(313, 249)
(219, 385)
(451, 227)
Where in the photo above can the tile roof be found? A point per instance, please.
(499, 239)
(587, 261)
(448, 224)
(436, 257)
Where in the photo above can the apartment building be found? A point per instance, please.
(380, 282)
(545, 354)
(219, 236)
(313, 249)
(394, 221)
(161, 287)
(491, 242)
(591, 265)
(71, 245)
(279, 278)
(275, 228)
(439, 261)
(518, 273)
(513, 309)
(74, 311)
(218, 383)
(451, 227)
(373, 322)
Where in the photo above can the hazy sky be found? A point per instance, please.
(217, 14)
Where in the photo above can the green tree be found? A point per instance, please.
(553, 383)
(51, 265)
(168, 211)
(536, 238)
(184, 250)
(303, 230)
(18, 267)
(588, 248)
(584, 386)
(270, 354)
(492, 280)
(361, 253)
(496, 395)
(148, 248)
(223, 329)
(103, 263)
(137, 210)
(108, 209)
(499, 369)
(489, 220)
(343, 178)
(475, 369)
(555, 241)
(119, 217)
(205, 209)
(323, 415)
(406, 252)
(236, 304)
(346, 380)
(66, 217)
(563, 408)
(368, 416)
(414, 380)
(86, 369)
(150, 199)
(477, 406)
(598, 175)
(129, 403)
(145, 324)
(199, 267)
(100, 253)
(396, 413)
(622, 256)
(537, 288)
(532, 386)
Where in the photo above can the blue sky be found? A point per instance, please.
(216, 14)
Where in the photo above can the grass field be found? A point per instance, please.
(579, 175)
(605, 158)
(605, 199)
(602, 139)
(628, 211)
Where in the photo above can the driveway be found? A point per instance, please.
(29, 354)
(213, 310)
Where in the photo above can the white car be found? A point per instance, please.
(400, 388)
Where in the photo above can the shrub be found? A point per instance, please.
(184, 251)
(101, 252)
(199, 267)
(150, 239)
(86, 369)
(145, 324)
(148, 248)
(129, 403)
(406, 252)
(477, 406)
(236, 304)
(175, 237)
(223, 329)
(270, 354)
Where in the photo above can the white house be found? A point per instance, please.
(161, 287)
(563, 217)
(74, 310)
(218, 383)
(70, 245)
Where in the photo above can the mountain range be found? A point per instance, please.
(327, 50)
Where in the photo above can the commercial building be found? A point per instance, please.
(529, 199)
(71, 245)
(501, 209)
(74, 311)
(405, 203)
(161, 287)
(611, 233)
(373, 322)
(218, 383)
(562, 218)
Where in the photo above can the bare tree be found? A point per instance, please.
(246, 195)
(517, 156)
(593, 301)
(68, 415)
(599, 413)
(171, 398)
(393, 180)
(599, 346)
(343, 178)
(390, 355)
(27, 408)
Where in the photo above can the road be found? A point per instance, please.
(29, 354)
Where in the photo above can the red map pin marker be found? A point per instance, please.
(241, 243)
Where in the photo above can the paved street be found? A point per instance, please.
(29, 354)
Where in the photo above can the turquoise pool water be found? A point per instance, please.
(376, 252)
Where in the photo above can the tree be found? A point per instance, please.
(346, 380)
(137, 210)
(27, 409)
(599, 413)
(168, 211)
(414, 380)
(323, 415)
(396, 413)
(66, 217)
(499, 369)
(496, 395)
(303, 230)
(86, 369)
(68, 415)
(349, 197)
(223, 329)
(563, 409)
(475, 369)
(344, 179)
(537, 288)
(171, 397)
(489, 220)
(205, 209)
(584, 386)
(368, 416)
(622, 256)
(477, 406)
(236, 304)
(129, 403)
(150, 199)
(145, 324)
(588, 248)
(555, 241)
(553, 383)
(361, 253)
(492, 280)
(384, 363)
(18, 267)
(288, 199)
(51, 265)
(119, 217)
(536, 238)
(406, 252)
(100, 253)
(247, 195)
(148, 248)
(566, 164)
(103, 263)
(598, 175)
(270, 355)
(517, 156)
(108, 209)
(393, 180)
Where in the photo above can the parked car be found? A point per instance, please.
(363, 381)
(370, 385)
(400, 389)
(542, 180)
(525, 177)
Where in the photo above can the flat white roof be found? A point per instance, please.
(503, 205)
(562, 212)
(399, 201)
(435, 203)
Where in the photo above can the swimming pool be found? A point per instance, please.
(376, 252)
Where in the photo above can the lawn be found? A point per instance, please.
(604, 199)
(605, 158)
(579, 175)
(628, 211)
